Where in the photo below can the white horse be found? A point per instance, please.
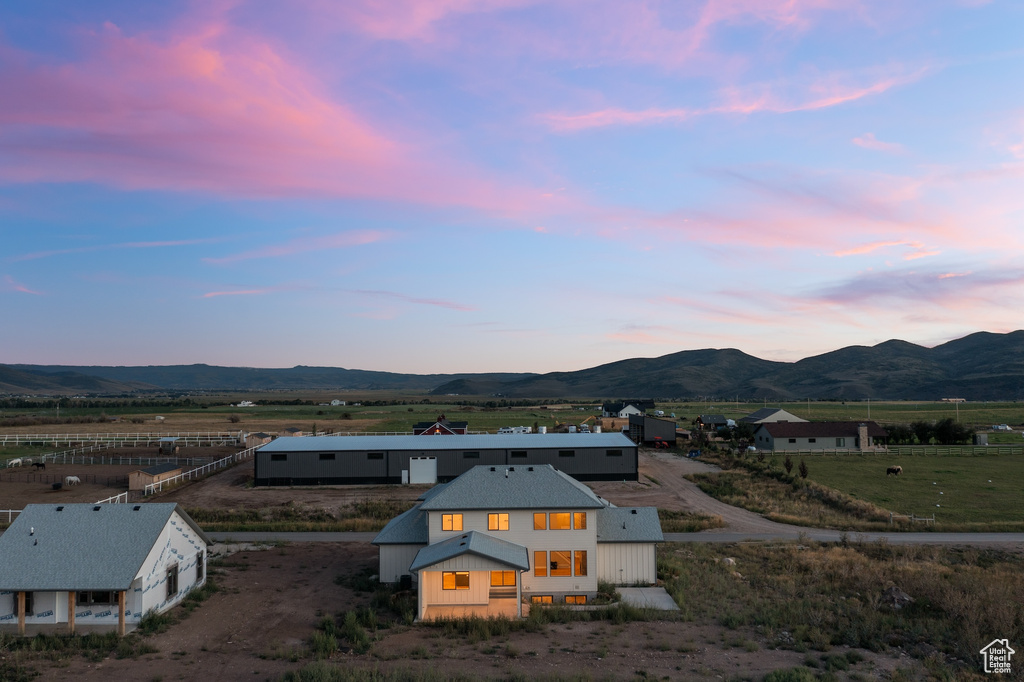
(72, 480)
(14, 462)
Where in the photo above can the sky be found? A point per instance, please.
(440, 186)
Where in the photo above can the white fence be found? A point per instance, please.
(10, 514)
(187, 438)
(199, 472)
(116, 499)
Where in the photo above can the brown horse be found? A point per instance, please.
(894, 471)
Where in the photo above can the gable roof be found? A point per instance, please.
(629, 524)
(773, 413)
(820, 429)
(539, 486)
(53, 547)
(712, 419)
(473, 542)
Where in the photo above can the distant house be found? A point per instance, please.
(818, 435)
(138, 480)
(499, 536)
(712, 422)
(647, 430)
(626, 408)
(770, 414)
(440, 427)
(97, 564)
(336, 403)
(292, 431)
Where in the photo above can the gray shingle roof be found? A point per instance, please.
(161, 469)
(408, 528)
(629, 524)
(466, 442)
(539, 486)
(473, 542)
(83, 546)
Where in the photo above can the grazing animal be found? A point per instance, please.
(894, 471)
(27, 460)
(39, 465)
(72, 480)
(14, 462)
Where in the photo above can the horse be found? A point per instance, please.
(39, 465)
(894, 471)
(72, 480)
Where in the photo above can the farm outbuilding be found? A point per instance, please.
(341, 460)
(644, 429)
(169, 445)
(138, 480)
(104, 565)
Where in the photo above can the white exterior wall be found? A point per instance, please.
(627, 563)
(395, 561)
(521, 532)
(177, 544)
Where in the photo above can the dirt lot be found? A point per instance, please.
(271, 599)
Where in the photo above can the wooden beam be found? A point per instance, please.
(21, 613)
(120, 613)
(71, 613)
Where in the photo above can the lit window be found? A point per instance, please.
(451, 521)
(561, 521)
(455, 580)
(540, 564)
(560, 563)
(540, 599)
(497, 522)
(575, 599)
(540, 521)
(579, 562)
(503, 578)
(579, 520)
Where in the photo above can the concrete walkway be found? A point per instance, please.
(648, 598)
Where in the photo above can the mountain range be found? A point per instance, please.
(981, 366)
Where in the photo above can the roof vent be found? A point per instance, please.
(96, 508)
(529, 468)
(511, 468)
(137, 507)
(492, 469)
(633, 511)
(60, 508)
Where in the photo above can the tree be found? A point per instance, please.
(788, 463)
(803, 469)
(900, 434)
(949, 432)
(923, 430)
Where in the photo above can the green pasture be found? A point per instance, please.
(978, 489)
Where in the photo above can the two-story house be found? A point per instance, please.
(499, 536)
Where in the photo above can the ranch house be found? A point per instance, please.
(818, 435)
(97, 565)
(500, 536)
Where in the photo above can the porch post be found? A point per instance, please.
(519, 594)
(71, 612)
(21, 613)
(120, 613)
(419, 595)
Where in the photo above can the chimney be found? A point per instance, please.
(862, 436)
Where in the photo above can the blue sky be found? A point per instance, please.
(505, 185)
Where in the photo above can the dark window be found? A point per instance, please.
(566, 453)
(519, 453)
(613, 453)
(374, 455)
(792, 440)
(812, 440)
(200, 567)
(278, 458)
(172, 581)
(29, 609)
(471, 455)
(327, 455)
(89, 598)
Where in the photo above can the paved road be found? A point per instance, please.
(979, 539)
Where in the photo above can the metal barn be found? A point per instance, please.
(341, 460)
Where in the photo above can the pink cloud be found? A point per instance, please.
(919, 250)
(820, 94)
(869, 141)
(214, 110)
(341, 240)
(13, 285)
(419, 301)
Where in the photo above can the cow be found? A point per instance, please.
(39, 465)
(894, 471)
(72, 480)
